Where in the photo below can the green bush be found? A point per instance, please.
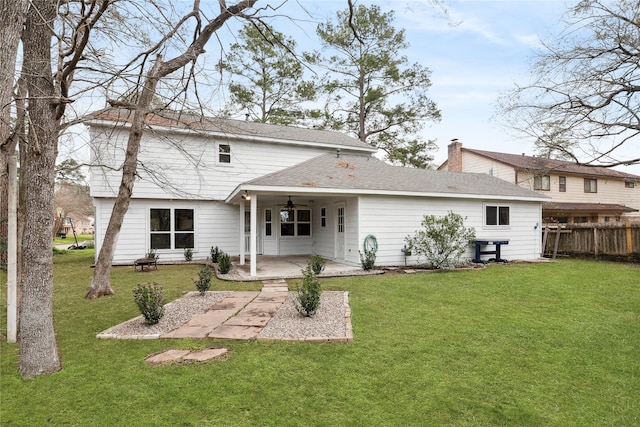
(188, 254)
(317, 263)
(204, 280)
(224, 263)
(442, 241)
(368, 259)
(308, 298)
(149, 299)
(215, 253)
(152, 254)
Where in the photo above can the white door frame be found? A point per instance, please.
(340, 231)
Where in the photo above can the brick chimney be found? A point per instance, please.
(454, 160)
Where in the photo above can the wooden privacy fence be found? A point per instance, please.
(597, 240)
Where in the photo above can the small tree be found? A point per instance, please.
(308, 299)
(204, 280)
(442, 241)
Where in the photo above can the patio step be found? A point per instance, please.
(276, 285)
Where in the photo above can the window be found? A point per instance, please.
(590, 185)
(562, 184)
(580, 219)
(224, 154)
(323, 217)
(267, 223)
(542, 182)
(295, 222)
(171, 228)
(629, 184)
(496, 215)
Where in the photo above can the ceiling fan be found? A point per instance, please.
(290, 205)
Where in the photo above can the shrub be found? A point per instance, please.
(152, 254)
(215, 253)
(224, 263)
(188, 254)
(442, 241)
(204, 280)
(308, 299)
(149, 299)
(316, 262)
(367, 259)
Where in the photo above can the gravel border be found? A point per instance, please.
(332, 321)
(176, 313)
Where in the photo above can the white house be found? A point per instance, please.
(252, 188)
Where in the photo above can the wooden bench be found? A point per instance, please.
(142, 263)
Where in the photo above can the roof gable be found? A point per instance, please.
(522, 162)
(230, 128)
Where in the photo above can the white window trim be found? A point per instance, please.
(497, 226)
(217, 154)
(295, 224)
(173, 249)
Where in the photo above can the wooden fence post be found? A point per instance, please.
(629, 240)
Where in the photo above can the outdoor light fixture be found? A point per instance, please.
(246, 196)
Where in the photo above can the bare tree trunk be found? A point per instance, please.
(101, 282)
(38, 346)
(12, 15)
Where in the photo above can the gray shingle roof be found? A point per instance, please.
(370, 175)
(229, 127)
(551, 165)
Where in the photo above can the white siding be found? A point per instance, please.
(216, 224)
(391, 219)
(185, 166)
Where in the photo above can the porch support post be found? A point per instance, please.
(242, 248)
(254, 235)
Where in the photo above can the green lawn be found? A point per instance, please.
(519, 345)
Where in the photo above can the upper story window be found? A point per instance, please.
(590, 185)
(562, 184)
(171, 228)
(496, 215)
(295, 222)
(224, 154)
(542, 182)
(629, 184)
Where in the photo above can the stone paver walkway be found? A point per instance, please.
(241, 315)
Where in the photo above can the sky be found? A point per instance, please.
(476, 52)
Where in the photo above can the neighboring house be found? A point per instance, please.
(580, 194)
(253, 188)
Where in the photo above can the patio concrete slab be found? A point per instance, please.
(167, 356)
(248, 321)
(270, 296)
(260, 309)
(236, 332)
(206, 354)
(188, 331)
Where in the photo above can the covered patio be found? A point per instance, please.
(269, 267)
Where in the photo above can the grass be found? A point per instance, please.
(68, 240)
(520, 344)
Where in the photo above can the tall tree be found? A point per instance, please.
(585, 96)
(373, 91)
(101, 283)
(47, 95)
(267, 78)
(38, 346)
(12, 17)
